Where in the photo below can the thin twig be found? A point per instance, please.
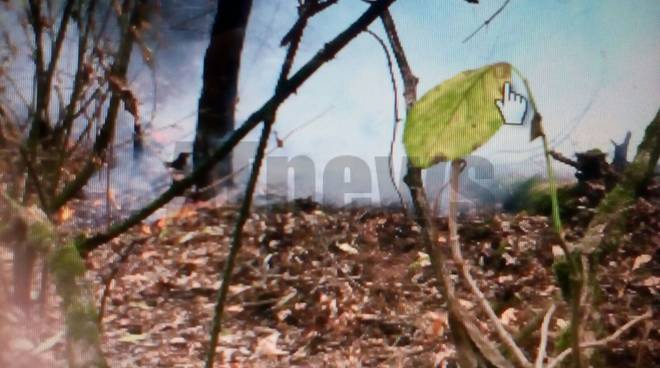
(471, 345)
(237, 235)
(107, 131)
(395, 92)
(543, 344)
(114, 270)
(237, 239)
(409, 79)
(32, 174)
(235, 173)
(456, 168)
(56, 49)
(487, 21)
(17, 91)
(310, 8)
(85, 104)
(563, 159)
(437, 201)
(390, 68)
(598, 343)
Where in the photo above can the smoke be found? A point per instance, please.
(344, 111)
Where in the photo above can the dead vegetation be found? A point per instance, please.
(324, 286)
(318, 286)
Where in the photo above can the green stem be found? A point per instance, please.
(556, 220)
(574, 261)
(237, 241)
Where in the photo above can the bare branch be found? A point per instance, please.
(35, 17)
(237, 236)
(409, 79)
(237, 241)
(17, 92)
(32, 174)
(309, 9)
(36, 20)
(390, 68)
(563, 159)
(78, 79)
(56, 49)
(106, 133)
(487, 21)
(220, 181)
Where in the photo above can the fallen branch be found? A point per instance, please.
(114, 270)
(563, 159)
(543, 344)
(598, 343)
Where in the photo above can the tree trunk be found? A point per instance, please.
(620, 160)
(215, 117)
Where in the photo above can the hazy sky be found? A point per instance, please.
(593, 67)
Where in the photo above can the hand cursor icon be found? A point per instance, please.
(512, 106)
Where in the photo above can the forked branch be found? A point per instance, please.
(464, 268)
(598, 343)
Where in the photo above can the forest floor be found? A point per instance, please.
(317, 286)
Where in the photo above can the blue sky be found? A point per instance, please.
(594, 68)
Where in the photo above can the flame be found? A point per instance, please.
(145, 229)
(161, 223)
(185, 212)
(65, 213)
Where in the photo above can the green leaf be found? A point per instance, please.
(456, 117)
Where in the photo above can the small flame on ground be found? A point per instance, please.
(65, 213)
